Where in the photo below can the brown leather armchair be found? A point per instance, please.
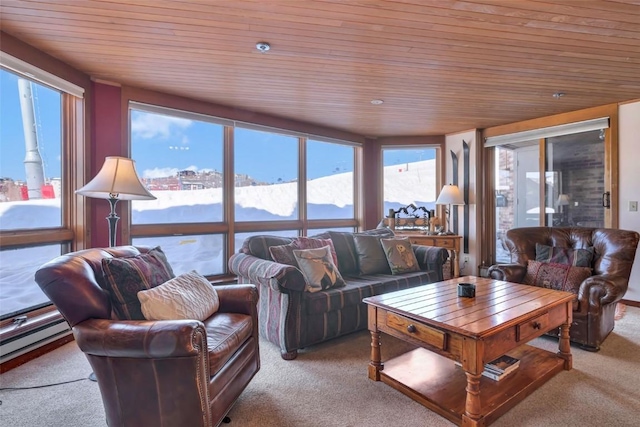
(169, 372)
(594, 308)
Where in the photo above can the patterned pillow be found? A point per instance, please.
(125, 277)
(283, 254)
(371, 256)
(400, 255)
(318, 269)
(560, 277)
(188, 296)
(568, 256)
(315, 243)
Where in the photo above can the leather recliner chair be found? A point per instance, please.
(156, 373)
(594, 309)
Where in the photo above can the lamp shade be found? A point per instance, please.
(563, 200)
(117, 179)
(450, 195)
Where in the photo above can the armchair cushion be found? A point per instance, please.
(400, 255)
(125, 277)
(560, 277)
(226, 333)
(568, 256)
(283, 254)
(188, 296)
(318, 268)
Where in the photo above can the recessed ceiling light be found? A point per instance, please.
(558, 95)
(263, 46)
(377, 101)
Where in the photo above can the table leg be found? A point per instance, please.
(455, 263)
(472, 408)
(564, 346)
(376, 365)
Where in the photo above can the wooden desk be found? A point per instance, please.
(450, 242)
(501, 319)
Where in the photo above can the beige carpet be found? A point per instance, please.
(328, 386)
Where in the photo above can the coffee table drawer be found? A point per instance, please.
(417, 330)
(530, 329)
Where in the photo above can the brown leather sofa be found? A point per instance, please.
(156, 373)
(594, 309)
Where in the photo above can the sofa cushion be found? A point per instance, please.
(283, 254)
(188, 296)
(226, 332)
(357, 288)
(315, 243)
(371, 257)
(346, 249)
(400, 255)
(259, 245)
(568, 256)
(125, 277)
(318, 268)
(560, 277)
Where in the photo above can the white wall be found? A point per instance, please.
(629, 180)
(453, 142)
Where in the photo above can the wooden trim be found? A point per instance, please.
(608, 110)
(25, 238)
(34, 354)
(630, 303)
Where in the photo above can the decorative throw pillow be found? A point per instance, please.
(318, 269)
(315, 243)
(283, 254)
(560, 277)
(188, 296)
(400, 255)
(371, 256)
(125, 277)
(568, 256)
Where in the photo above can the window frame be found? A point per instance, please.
(229, 227)
(74, 89)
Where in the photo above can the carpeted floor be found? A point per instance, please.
(327, 386)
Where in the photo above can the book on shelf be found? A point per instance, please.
(499, 368)
(502, 365)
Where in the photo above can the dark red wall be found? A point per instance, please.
(106, 141)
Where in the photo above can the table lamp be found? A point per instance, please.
(449, 195)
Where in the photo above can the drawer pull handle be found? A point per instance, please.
(536, 325)
(411, 328)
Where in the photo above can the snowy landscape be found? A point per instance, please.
(329, 197)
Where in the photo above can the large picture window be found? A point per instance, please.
(409, 177)
(218, 182)
(40, 137)
(30, 184)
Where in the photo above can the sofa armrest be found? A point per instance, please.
(508, 272)
(599, 290)
(144, 339)
(279, 277)
(431, 258)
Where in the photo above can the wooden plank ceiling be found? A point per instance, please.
(440, 66)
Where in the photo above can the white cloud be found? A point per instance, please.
(148, 126)
(159, 172)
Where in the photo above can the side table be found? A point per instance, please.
(450, 242)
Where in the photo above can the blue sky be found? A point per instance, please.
(162, 145)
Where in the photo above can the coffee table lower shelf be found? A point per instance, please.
(437, 383)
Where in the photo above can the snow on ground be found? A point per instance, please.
(329, 197)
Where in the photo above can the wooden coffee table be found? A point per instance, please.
(500, 320)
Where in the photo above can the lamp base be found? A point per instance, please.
(447, 233)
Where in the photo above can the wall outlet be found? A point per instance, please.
(633, 206)
(466, 258)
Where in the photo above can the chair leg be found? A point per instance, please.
(226, 420)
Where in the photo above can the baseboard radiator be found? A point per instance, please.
(14, 347)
